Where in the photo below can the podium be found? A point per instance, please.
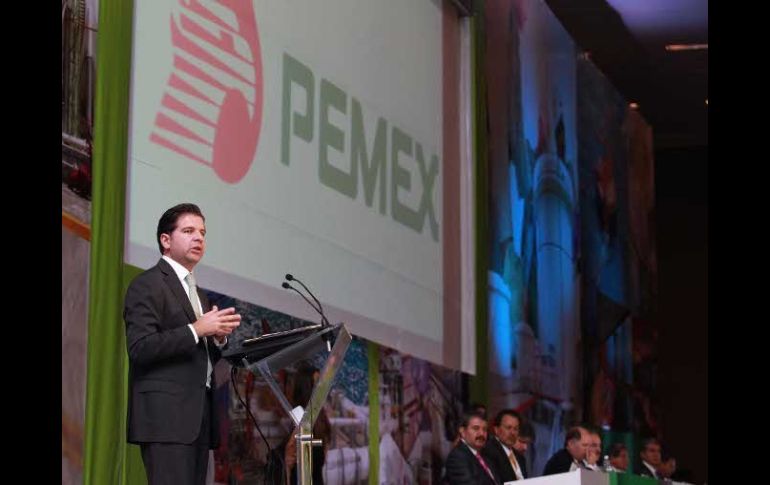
(291, 351)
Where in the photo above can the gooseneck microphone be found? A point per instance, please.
(312, 305)
(318, 308)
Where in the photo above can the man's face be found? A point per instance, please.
(187, 243)
(522, 444)
(621, 461)
(508, 431)
(594, 449)
(651, 454)
(475, 434)
(578, 448)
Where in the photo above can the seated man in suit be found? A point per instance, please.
(651, 459)
(572, 455)
(499, 452)
(593, 459)
(465, 465)
(526, 437)
(619, 457)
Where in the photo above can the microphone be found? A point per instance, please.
(312, 305)
(318, 309)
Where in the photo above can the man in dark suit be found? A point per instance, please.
(526, 437)
(465, 465)
(499, 452)
(650, 458)
(619, 457)
(173, 341)
(572, 455)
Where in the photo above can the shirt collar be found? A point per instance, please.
(507, 450)
(651, 468)
(473, 450)
(181, 271)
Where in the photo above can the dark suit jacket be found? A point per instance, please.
(560, 462)
(167, 370)
(463, 468)
(644, 471)
(495, 456)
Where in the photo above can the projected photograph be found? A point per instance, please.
(251, 455)
(78, 31)
(533, 279)
(419, 405)
(617, 241)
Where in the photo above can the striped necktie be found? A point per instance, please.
(485, 467)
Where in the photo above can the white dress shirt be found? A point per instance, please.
(181, 273)
(508, 453)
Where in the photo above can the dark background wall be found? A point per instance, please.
(681, 181)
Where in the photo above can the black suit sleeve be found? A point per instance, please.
(550, 469)
(458, 470)
(498, 461)
(147, 339)
(557, 464)
(644, 471)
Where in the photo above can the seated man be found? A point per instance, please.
(667, 467)
(526, 437)
(650, 456)
(619, 457)
(507, 463)
(465, 465)
(593, 459)
(572, 455)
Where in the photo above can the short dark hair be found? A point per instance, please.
(574, 433)
(665, 455)
(647, 442)
(506, 412)
(168, 220)
(616, 449)
(466, 418)
(480, 408)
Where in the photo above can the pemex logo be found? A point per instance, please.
(211, 110)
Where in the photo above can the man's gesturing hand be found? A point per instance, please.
(219, 323)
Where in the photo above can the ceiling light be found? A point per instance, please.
(687, 47)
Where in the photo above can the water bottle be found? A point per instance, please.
(607, 465)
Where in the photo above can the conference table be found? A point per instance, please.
(588, 477)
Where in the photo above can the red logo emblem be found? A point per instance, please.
(211, 111)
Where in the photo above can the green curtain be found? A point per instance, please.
(373, 352)
(479, 384)
(105, 450)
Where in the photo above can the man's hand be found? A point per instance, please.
(218, 323)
